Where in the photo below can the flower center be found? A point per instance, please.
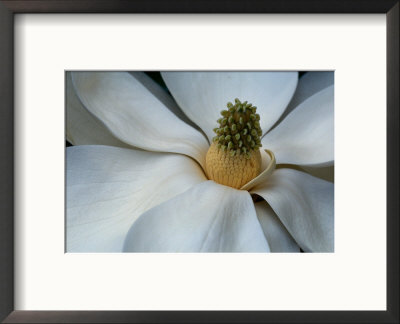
(234, 158)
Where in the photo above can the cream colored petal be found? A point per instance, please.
(267, 168)
(136, 116)
(305, 205)
(278, 237)
(326, 173)
(202, 95)
(109, 187)
(207, 218)
(306, 135)
(82, 127)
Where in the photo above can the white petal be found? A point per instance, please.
(278, 237)
(305, 136)
(207, 218)
(202, 95)
(304, 204)
(156, 90)
(82, 127)
(309, 84)
(135, 115)
(109, 187)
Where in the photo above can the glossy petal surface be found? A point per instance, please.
(305, 206)
(278, 237)
(306, 135)
(82, 127)
(135, 115)
(108, 188)
(207, 218)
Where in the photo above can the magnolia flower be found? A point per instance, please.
(138, 179)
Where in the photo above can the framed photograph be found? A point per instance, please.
(167, 162)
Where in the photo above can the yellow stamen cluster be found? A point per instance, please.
(233, 158)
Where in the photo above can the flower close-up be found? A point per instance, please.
(200, 162)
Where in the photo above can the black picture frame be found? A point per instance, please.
(9, 8)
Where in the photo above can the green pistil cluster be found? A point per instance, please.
(239, 130)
